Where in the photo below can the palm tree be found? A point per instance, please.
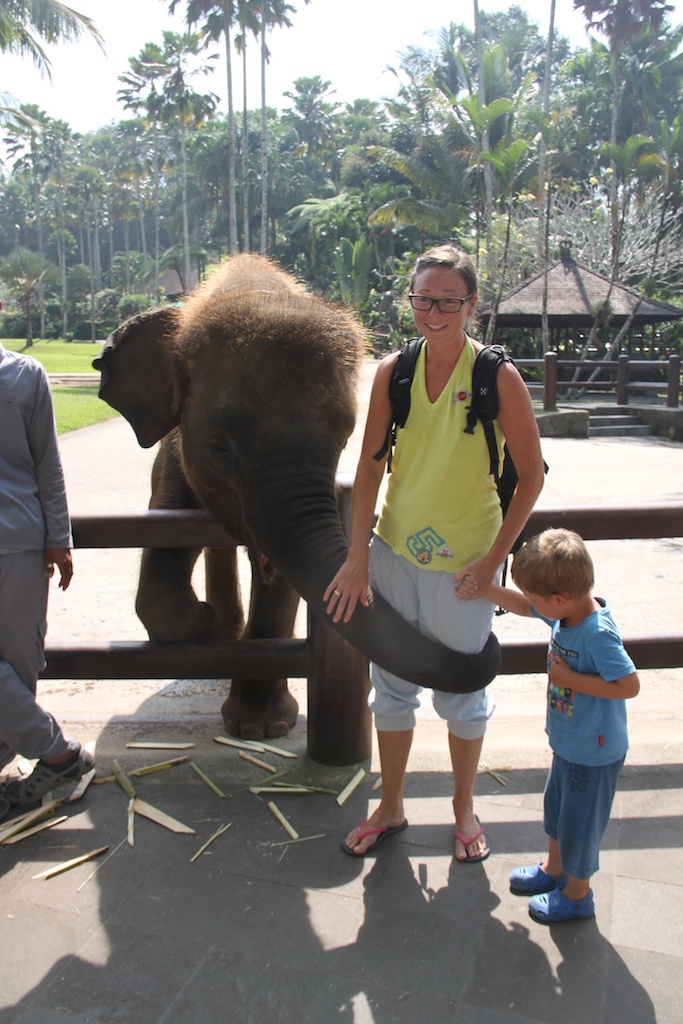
(543, 182)
(509, 162)
(219, 17)
(22, 22)
(24, 146)
(24, 273)
(312, 114)
(621, 21)
(485, 141)
(183, 107)
(141, 94)
(270, 13)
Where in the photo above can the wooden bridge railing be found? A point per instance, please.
(339, 730)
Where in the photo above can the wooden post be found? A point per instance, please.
(549, 381)
(673, 385)
(622, 380)
(339, 721)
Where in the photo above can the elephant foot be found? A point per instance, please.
(258, 710)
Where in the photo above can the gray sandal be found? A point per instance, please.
(46, 777)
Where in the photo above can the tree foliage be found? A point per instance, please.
(505, 141)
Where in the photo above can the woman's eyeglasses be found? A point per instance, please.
(424, 303)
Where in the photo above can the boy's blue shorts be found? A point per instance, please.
(576, 807)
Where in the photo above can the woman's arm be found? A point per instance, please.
(350, 584)
(518, 423)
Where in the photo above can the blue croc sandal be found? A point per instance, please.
(554, 908)
(530, 881)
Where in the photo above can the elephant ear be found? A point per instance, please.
(140, 378)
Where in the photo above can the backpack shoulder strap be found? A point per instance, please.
(399, 393)
(485, 405)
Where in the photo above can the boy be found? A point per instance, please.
(590, 678)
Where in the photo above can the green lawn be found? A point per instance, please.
(59, 356)
(75, 407)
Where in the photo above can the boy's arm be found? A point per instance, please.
(594, 685)
(509, 599)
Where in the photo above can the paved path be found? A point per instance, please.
(257, 931)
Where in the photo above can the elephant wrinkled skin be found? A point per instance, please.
(250, 387)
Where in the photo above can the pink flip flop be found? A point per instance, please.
(466, 842)
(381, 833)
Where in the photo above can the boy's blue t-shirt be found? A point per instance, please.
(581, 728)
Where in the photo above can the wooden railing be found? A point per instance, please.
(621, 377)
(339, 731)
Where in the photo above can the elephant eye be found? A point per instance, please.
(221, 446)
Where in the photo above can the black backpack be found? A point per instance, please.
(484, 408)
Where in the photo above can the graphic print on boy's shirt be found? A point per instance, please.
(561, 698)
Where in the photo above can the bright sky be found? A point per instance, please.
(348, 42)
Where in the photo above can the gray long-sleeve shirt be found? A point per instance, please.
(33, 507)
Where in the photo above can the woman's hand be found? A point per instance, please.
(349, 586)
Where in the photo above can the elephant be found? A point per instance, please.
(250, 386)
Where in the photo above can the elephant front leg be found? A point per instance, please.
(258, 709)
(168, 606)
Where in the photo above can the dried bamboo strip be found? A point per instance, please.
(283, 821)
(353, 784)
(205, 778)
(82, 786)
(161, 818)
(217, 833)
(27, 819)
(68, 864)
(277, 750)
(123, 780)
(483, 767)
(130, 832)
(280, 789)
(260, 764)
(32, 831)
(159, 746)
(147, 769)
(93, 873)
(240, 744)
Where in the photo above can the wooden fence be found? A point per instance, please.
(621, 377)
(339, 728)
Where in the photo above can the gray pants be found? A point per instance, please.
(25, 728)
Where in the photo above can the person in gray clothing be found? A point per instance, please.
(35, 535)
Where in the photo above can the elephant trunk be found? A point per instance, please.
(299, 528)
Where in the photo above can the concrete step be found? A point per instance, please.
(624, 430)
(613, 421)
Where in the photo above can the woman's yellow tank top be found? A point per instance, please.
(441, 508)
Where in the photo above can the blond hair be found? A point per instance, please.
(554, 562)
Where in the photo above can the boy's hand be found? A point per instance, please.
(473, 582)
(560, 673)
(466, 588)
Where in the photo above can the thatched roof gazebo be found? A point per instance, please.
(574, 294)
